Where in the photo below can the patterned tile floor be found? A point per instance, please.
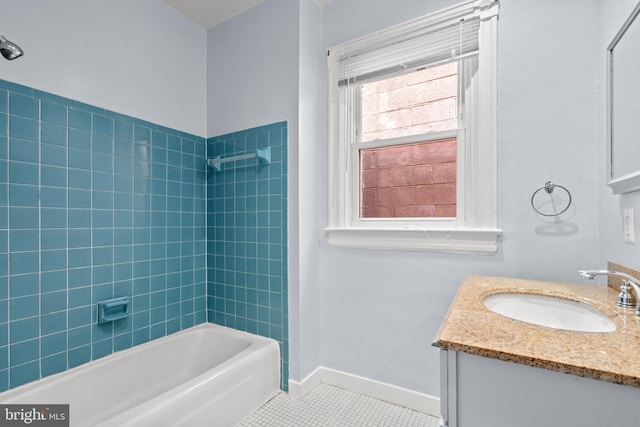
(328, 406)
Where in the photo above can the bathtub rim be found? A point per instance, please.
(15, 393)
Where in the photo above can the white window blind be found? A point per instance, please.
(468, 31)
(422, 42)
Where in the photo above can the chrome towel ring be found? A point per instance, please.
(548, 188)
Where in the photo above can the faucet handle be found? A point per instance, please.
(625, 297)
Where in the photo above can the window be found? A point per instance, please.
(413, 135)
(401, 174)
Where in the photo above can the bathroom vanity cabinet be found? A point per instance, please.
(479, 391)
(500, 372)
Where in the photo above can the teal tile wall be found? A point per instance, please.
(93, 205)
(247, 236)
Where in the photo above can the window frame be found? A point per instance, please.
(474, 230)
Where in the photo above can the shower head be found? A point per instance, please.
(9, 49)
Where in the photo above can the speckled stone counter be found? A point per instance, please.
(472, 328)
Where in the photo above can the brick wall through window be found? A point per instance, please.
(415, 180)
(409, 181)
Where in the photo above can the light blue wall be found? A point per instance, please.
(253, 72)
(381, 309)
(93, 205)
(142, 58)
(247, 236)
(252, 69)
(612, 245)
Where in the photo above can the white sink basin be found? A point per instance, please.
(550, 311)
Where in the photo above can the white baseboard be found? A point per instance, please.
(389, 393)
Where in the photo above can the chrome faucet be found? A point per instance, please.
(625, 299)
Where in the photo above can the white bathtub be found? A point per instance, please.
(207, 375)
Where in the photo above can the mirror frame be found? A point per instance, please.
(631, 181)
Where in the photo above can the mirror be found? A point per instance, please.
(624, 107)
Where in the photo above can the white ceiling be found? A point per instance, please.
(209, 13)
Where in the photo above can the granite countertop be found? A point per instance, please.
(472, 328)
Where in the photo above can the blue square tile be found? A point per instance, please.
(54, 217)
(141, 336)
(79, 178)
(4, 97)
(4, 288)
(79, 297)
(53, 281)
(24, 262)
(102, 125)
(122, 342)
(21, 285)
(53, 113)
(79, 139)
(53, 134)
(102, 236)
(79, 218)
(25, 329)
(53, 260)
(158, 331)
(22, 128)
(54, 322)
(54, 364)
(79, 355)
(24, 106)
(80, 316)
(4, 125)
(79, 237)
(122, 218)
(79, 198)
(24, 195)
(103, 255)
(123, 236)
(123, 165)
(101, 162)
(52, 197)
(24, 240)
(141, 268)
(103, 181)
(53, 155)
(79, 258)
(79, 277)
(159, 139)
(53, 239)
(123, 183)
(23, 173)
(102, 218)
(53, 301)
(174, 143)
(25, 373)
(102, 143)
(79, 337)
(103, 276)
(102, 200)
(4, 380)
(53, 176)
(79, 159)
(123, 147)
(123, 131)
(141, 134)
(101, 349)
(79, 119)
(123, 288)
(122, 270)
(4, 349)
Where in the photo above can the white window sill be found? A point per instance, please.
(458, 240)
